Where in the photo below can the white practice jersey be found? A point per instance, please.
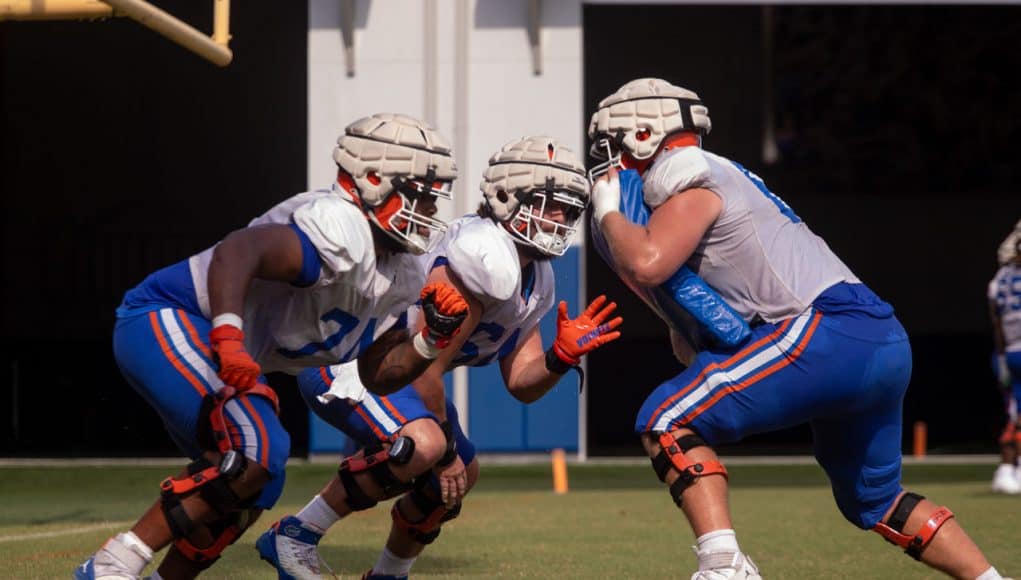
(758, 255)
(357, 296)
(485, 259)
(1005, 289)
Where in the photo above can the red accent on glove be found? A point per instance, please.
(444, 309)
(582, 335)
(237, 368)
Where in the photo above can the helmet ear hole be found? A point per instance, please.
(502, 196)
(373, 178)
(643, 134)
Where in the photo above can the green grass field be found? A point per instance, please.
(616, 522)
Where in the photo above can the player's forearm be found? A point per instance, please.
(634, 254)
(532, 381)
(390, 363)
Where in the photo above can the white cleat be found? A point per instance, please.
(727, 566)
(291, 548)
(1005, 480)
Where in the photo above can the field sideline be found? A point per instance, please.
(616, 522)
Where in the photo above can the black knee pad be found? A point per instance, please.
(211, 482)
(435, 513)
(225, 532)
(376, 463)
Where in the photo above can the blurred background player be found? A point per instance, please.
(535, 192)
(823, 349)
(315, 280)
(1005, 315)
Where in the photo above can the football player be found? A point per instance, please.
(1005, 315)
(535, 192)
(324, 276)
(823, 349)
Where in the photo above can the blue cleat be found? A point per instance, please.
(86, 570)
(291, 548)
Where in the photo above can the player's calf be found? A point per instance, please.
(209, 508)
(674, 465)
(917, 541)
(421, 513)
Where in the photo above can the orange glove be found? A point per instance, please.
(582, 335)
(237, 368)
(444, 309)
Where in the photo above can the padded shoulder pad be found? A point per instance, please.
(338, 230)
(675, 171)
(484, 261)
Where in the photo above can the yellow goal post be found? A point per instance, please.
(214, 48)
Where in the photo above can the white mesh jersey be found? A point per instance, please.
(357, 296)
(758, 254)
(1005, 290)
(513, 300)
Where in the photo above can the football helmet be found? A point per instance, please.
(398, 164)
(527, 182)
(638, 118)
(1010, 247)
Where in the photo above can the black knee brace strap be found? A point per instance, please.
(375, 462)
(428, 528)
(893, 529)
(671, 457)
(225, 532)
(211, 482)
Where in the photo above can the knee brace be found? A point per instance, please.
(376, 463)
(224, 531)
(893, 530)
(426, 530)
(211, 482)
(671, 457)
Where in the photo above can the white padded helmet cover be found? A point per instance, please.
(650, 104)
(392, 145)
(1009, 246)
(531, 163)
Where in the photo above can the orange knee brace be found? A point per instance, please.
(913, 544)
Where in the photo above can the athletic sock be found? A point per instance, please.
(718, 541)
(990, 574)
(717, 549)
(391, 565)
(123, 554)
(318, 515)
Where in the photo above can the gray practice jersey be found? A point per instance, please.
(758, 254)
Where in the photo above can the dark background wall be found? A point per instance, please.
(898, 133)
(122, 153)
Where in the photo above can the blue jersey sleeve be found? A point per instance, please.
(310, 266)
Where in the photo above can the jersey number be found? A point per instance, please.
(1010, 294)
(347, 323)
(493, 331)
